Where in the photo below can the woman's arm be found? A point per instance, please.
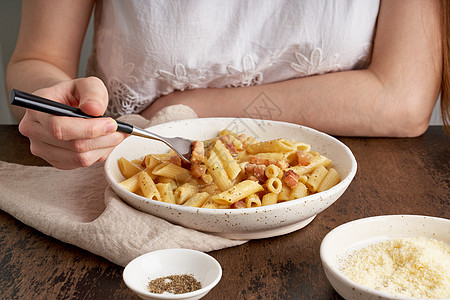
(49, 44)
(45, 62)
(393, 97)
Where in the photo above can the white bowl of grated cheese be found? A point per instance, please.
(389, 257)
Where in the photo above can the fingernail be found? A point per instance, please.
(110, 127)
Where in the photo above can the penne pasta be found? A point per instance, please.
(231, 171)
(211, 189)
(197, 199)
(131, 184)
(209, 203)
(315, 162)
(230, 165)
(331, 179)
(279, 145)
(148, 187)
(137, 162)
(298, 191)
(269, 199)
(238, 192)
(166, 192)
(127, 168)
(273, 171)
(303, 178)
(316, 178)
(217, 171)
(271, 156)
(274, 185)
(252, 201)
(184, 192)
(172, 171)
(151, 161)
(302, 146)
(207, 178)
(284, 194)
(161, 179)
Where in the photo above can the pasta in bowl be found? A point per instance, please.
(249, 178)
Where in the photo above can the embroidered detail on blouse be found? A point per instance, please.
(315, 64)
(248, 75)
(180, 79)
(126, 70)
(123, 100)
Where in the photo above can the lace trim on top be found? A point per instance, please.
(138, 75)
(125, 100)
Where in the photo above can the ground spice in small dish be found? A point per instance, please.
(175, 284)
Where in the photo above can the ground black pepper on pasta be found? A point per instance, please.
(175, 284)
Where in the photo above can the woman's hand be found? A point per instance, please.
(45, 62)
(68, 142)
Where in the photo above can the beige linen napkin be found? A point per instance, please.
(78, 207)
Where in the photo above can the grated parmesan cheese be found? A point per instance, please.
(411, 267)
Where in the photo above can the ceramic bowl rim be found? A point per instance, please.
(203, 290)
(345, 182)
(327, 264)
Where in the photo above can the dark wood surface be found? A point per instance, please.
(395, 176)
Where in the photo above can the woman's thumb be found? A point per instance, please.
(92, 94)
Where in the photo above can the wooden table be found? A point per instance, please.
(395, 176)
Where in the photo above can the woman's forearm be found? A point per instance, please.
(49, 44)
(30, 75)
(353, 103)
(333, 103)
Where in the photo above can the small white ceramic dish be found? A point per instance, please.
(348, 237)
(249, 223)
(161, 263)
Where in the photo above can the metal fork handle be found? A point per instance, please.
(30, 101)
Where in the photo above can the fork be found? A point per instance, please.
(181, 146)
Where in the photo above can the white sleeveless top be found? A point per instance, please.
(144, 49)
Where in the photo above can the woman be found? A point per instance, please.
(386, 84)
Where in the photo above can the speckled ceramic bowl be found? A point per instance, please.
(166, 262)
(249, 223)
